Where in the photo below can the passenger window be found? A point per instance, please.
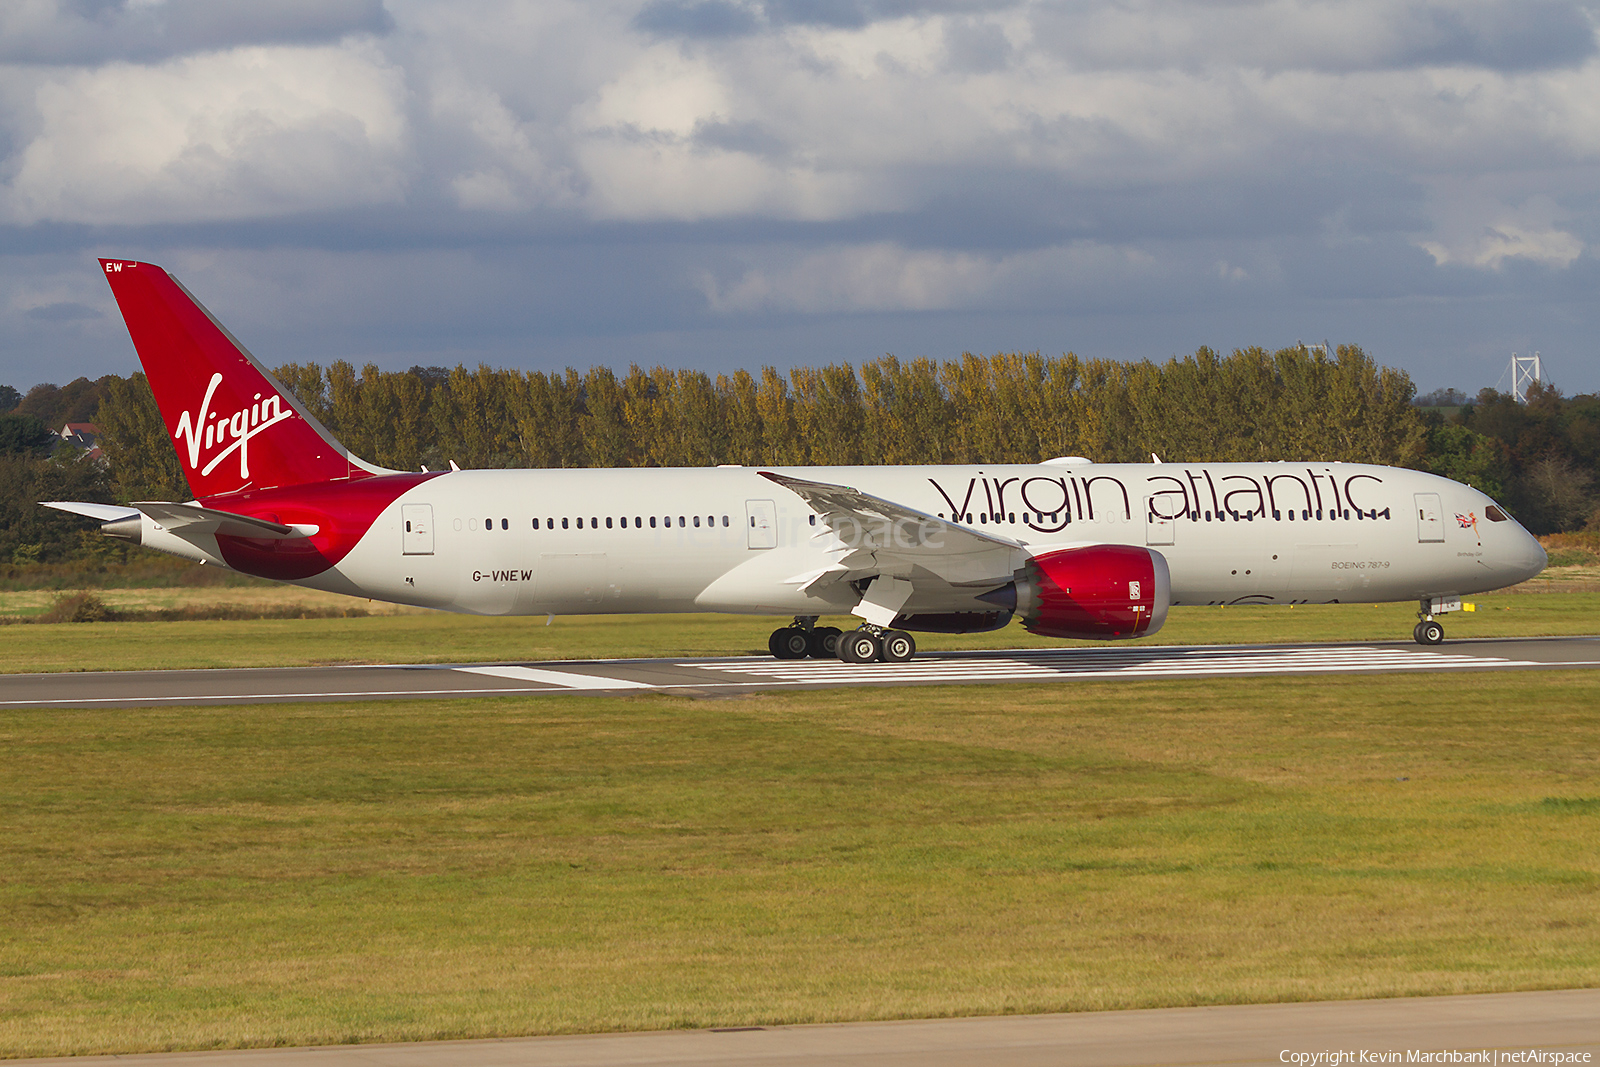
(652, 522)
(505, 524)
(813, 519)
(535, 524)
(697, 522)
(724, 520)
(608, 523)
(563, 523)
(1011, 516)
(488, 524)
(682, 522)
(638, 523)
(594, 523)
(408, 527)
(580, 522)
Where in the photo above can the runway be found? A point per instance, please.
(1498, 1029)
(713, 676)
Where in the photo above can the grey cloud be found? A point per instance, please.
(749, 137)
(711, 18)
(96, 31)
(1225, 208)
(853, 14)
(721, 18)
(1528, 35)
(63, 311)
(976, 47)
(1335, 37)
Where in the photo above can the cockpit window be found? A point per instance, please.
(1494, 514)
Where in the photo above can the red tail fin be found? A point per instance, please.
(234, 425)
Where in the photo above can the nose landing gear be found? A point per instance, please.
(1428, 632)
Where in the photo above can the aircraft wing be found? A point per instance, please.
(879, 537)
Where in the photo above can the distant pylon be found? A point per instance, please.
(1525, 370)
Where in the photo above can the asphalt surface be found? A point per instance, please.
(746, 674)
(1499, 1029)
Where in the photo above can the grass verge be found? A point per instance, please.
(251, 876)
(431, 637)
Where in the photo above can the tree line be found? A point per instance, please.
(1249, 405)
(1539, 458)
(1006, 408)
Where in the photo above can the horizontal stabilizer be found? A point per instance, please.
(185, 519)
(98, 512)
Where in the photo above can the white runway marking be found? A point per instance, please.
(565, 679)
(1112, 663)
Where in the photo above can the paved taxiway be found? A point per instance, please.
(1563, 1022)
(750, 673)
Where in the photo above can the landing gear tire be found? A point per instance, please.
(1429, 632)
(824, 642)
(789, 642)
(859, 646)
(898, 646)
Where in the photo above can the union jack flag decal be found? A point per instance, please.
(1469, 521)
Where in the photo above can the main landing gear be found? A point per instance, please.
(869, 644)
(804, 638)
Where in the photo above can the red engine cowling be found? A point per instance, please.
(1096, 593)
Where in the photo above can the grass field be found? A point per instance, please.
(199, 877)
(431, 637)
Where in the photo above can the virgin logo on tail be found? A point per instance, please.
(208, 430)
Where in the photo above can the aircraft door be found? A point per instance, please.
(761, 523)
(1161, 513)
(416, 521)
(1430, 518)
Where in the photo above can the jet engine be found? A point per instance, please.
(1093, 592)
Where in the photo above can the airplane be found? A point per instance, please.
(1072, 548)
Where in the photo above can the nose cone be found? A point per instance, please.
(1526, 557)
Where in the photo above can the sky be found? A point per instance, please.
(736, 183)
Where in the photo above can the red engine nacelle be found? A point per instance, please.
(1097, 592)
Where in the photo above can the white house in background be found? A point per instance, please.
(84, 436)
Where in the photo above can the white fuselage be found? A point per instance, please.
(586, 541)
